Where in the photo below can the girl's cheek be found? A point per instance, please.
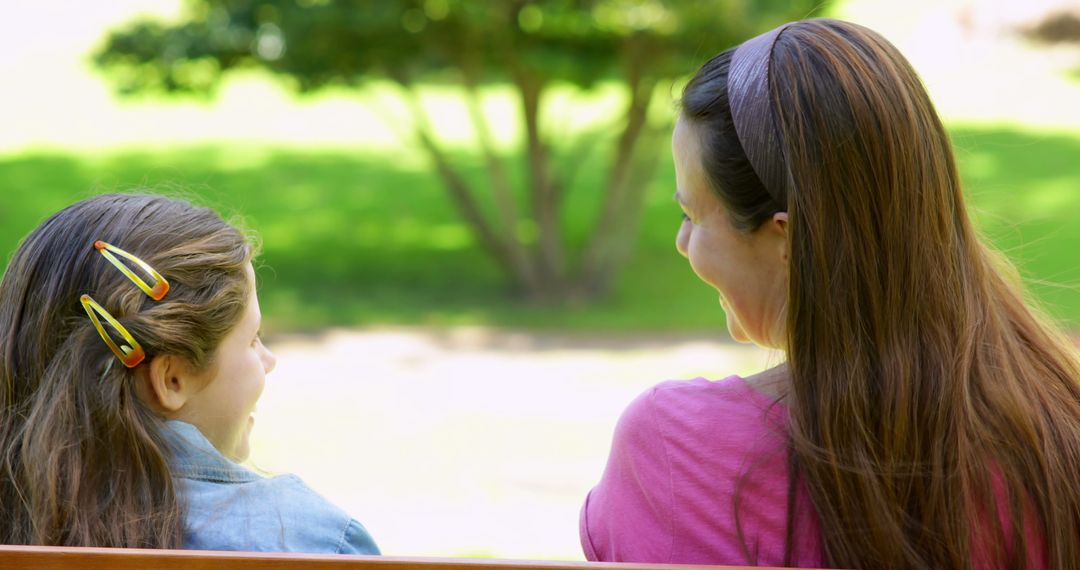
(682, 239)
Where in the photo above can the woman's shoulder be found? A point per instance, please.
(734, 388)
(682, 455)
(686, 408)
(678, 430)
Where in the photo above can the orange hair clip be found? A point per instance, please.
(131, 354)
(160, 287)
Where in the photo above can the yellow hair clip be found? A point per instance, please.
(160, 287)
(131, 354)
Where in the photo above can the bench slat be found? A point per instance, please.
(64, 558)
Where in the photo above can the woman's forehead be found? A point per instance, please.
(690, 171)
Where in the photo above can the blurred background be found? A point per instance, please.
(468, 266)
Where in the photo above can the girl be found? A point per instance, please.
(926, 417)
(131, 363)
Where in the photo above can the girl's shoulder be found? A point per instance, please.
(230, 507)
(274, 514)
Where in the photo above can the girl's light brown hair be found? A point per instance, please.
(84, 462)
(934, 415)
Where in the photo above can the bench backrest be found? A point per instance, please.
(57, 558)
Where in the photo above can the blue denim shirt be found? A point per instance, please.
(229, 507)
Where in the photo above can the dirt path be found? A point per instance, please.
(465, 442)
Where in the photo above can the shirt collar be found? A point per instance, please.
(194, 457)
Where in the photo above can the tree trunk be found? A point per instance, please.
(501, 191)
(599, 282)
(460, 193)
(545, 208)
(608, 245)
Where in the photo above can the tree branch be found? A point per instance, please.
(544, 204)
(621, 195)
(598, 281)
(500, 182)
(454, 183)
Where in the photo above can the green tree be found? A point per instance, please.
(530, 44)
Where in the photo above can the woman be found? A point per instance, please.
(925, 417)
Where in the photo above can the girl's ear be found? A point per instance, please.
(166, 383)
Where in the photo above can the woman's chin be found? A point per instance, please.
(735, 330)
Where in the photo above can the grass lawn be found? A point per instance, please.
(365, 238)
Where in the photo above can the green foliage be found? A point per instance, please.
(321, 42)
(527, 44)
(388, 247)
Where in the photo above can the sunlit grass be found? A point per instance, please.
(358, 239)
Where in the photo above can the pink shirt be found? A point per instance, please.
(681, 451)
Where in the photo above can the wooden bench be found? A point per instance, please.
(59, 558)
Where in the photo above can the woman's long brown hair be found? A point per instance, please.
(934, 414)
(83, 459)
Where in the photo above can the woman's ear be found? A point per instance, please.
(778, 225)
(166, 383)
